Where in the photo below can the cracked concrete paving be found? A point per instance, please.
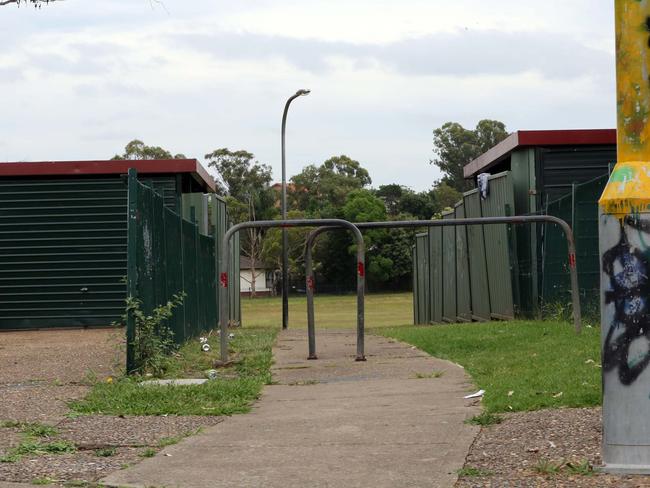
(332, 422)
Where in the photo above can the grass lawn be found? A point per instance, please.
(521, 365)
(233, 392)
(382, 310)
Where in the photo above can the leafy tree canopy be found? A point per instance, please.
(136, 149)
(320, 190)
(454, 147)
(241, 173)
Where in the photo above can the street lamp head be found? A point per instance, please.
(303, 92)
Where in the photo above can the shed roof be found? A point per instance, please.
(108, 167)
(528, 138)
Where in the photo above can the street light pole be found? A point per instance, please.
(283, 203)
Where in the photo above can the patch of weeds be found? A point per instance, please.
(546, 466)
(37, 448)
(485, 419)
(148, 452)
(39, 430)
(105, 452)
(90, 378)
(231, 393)
(11, 424)
(470, 471)
(433, 374)
(583, 468)
(80, 484)
(42, 481)
(169, 441)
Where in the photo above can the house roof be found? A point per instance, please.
(107, 167)
(528, 138)
(245, 263)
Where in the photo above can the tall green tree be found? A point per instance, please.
(454, 146)
(321, 190)
(136, 149)
(391, 195)
(249, 197)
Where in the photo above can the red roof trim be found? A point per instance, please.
(527, 138)
(76, 168)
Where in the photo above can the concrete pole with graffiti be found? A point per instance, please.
(624, 229)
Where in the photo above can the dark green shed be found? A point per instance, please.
(63, 236)
(547, 167)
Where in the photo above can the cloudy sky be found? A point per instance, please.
(80, 78)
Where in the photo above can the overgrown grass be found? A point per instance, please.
(382, 310)
(522, 365)
(232, 392)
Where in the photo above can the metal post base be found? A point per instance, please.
(312, 357)
(625, 469)
(361, 358)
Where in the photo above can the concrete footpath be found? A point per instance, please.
(332, 422)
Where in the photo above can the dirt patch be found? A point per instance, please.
(41, 372)
(59, 356)
(526, 447)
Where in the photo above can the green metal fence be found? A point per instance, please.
(421, 270)
(580, 209)
(168, 255)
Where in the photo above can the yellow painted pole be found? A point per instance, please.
(629, 188)
(624, 240)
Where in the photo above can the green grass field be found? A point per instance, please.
(521, 365)
(382, 310)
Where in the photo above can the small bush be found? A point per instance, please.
(154, 340)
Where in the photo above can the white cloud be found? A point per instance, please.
(80, 79)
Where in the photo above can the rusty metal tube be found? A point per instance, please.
(223, 277)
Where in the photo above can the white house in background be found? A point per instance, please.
(263, 278)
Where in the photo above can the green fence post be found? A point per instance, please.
(131, 267)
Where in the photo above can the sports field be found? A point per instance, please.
(382, 310)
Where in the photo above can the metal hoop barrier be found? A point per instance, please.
(523, 219)
(326, 223)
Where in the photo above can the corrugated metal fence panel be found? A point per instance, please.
(422, 273)
(449, 270)
(62, 251)
(436, 288)
(416, 298)
(499, 246)
(463, 293)
(479, 285)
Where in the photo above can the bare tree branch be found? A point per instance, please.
(36, 3)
